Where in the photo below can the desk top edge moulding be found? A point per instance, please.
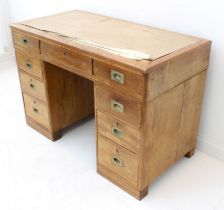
(144, 85)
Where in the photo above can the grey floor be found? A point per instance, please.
(37, 174)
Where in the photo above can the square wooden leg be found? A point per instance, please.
(190, 153)
(53, 136)
(129, 188)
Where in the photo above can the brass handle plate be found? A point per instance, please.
(118, 132)
(117, 161)
(117, 76)
(116, 106)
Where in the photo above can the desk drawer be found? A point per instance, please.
(66, 57)
(121, 133)
(26, 43)
(36, 110)
(29, 64)
(33, 86)
(117, 105)
(117, 159)
(120, 78)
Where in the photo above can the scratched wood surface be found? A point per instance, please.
(145, 123)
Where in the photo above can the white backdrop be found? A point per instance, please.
(200, 18)
(4, 30)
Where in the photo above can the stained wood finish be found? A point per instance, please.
(36, 110)
(173, 70)
(130, 137)
(33, 86)
(24, 42)
(191, 109)
(30, 65)
(67, 57)
(161, 123)
(154, 105)
(122, 183)
(131, 109)
(133, 82)
(43, 130)
(107, 152)
(70, 97)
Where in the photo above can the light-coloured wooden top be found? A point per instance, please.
(108, 32)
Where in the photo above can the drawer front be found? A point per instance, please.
(117, 159)
(66, 57)
(117, 105)
(26, 43)
(33, 86)
(120, 78)
(36, 110)
(122, 133)
(29, 64)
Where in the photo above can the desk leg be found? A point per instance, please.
(123, 184)
(48, 134)
(190, 153)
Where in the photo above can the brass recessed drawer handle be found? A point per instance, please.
(117, 132)
(25, 41)
(32, 85)
(117, 161)
(116, 106)
(29, 65)
(117, 76)
(35, 110)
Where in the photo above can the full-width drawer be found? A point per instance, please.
(117, 105)
(29, 64)
(36, 110)
(122, 133)
(26, 43)
(120, 78)
(117, 159)
(33, 86)
(67, 57)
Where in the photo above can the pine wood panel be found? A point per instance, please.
(67, 57)
(134, 82)
(26, 43)
(29, 64)
(122, 183)
(33, 86)
(160, 125)
(36, 110)
(131, 109)
(175, 69)
(191, 109)
(70, 97)
(131, 135)
(43, 130)
(107, 150)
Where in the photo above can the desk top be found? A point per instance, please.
(109, 37)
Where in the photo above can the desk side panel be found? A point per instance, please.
(167, 133)
(191, 111)
(176, 68)
(159, 134)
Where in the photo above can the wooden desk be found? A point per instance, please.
(147, 111)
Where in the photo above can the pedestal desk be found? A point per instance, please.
(147, 109)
